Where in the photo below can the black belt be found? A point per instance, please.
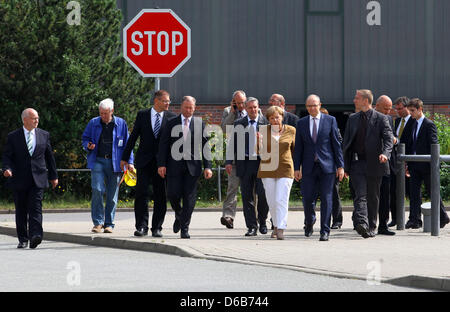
(356, 156)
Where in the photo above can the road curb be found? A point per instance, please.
(79, 210)
(428, 283)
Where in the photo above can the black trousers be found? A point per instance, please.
(250, 185)
(337, 206)
(385, 202)
(183, 189)
(28, 203)
(417, 177)
(367, 196)
(147, 176)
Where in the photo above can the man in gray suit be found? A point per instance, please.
(368, 142)
(230, 114)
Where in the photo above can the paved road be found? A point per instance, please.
(57, 266)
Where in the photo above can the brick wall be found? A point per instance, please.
(213, 113)
(438, 109)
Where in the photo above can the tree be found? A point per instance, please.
(64, 71)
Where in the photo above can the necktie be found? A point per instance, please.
(414, 138)
(252, 138)
(157, 126)
(402, 127)
(314, 136)
(186, 128)
(30, 143)
(314, 132)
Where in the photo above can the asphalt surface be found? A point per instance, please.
(410, 258)
(55, 266)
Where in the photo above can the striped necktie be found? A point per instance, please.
(157, 125)
(30, 143)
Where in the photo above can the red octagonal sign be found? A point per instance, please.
(157, 43)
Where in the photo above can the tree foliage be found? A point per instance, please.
(64, 71)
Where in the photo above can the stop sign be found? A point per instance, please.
(157, 43)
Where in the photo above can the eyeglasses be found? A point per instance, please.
(164, 101)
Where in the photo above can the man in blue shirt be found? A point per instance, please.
(105, 138)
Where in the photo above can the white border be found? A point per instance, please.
(124, 40)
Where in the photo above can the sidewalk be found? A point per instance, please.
(410, 258)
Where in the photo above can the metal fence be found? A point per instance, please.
(435, 160)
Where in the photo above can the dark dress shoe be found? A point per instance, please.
(309, 230)
(324, 237)
(336, 226)
(363, 231)
(35, 241)
(157, 233)
(141, 232)
(185, 234)
(263, 229)
(385, 232)
(176, 226)
(251, 232)
(392, 224)
(22, 245)
(409, 224)
(227, 221)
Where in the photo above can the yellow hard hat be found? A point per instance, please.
(130, 177)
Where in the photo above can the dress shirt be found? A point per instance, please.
(153, 113)
(311, 123)
(419, 124)
(33, 138)
(400, 124)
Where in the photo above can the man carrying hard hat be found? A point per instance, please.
(105, 138)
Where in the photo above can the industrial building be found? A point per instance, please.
(299, 47)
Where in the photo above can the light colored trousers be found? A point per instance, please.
(230, 203)
(277, 195)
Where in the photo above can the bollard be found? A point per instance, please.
(401, 190)
(435, 188)
(426, 211)
(219, 184)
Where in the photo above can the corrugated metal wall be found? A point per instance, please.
(298, 47)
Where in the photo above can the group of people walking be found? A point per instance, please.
(265, 154)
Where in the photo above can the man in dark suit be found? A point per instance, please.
(242, 150)
(367, 149)
(402, 130)
(288, 118)
(147, 127)
(423, 135)
(27, 157)
(318, 152)
(384, 106)
(181, 152)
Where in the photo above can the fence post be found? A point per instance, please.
(219, 184)
(401, 190)
(435, 189)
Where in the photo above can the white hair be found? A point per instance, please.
(106, 104)
(239, 92)
(26, 113)
(252, 99)
(188, 98)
